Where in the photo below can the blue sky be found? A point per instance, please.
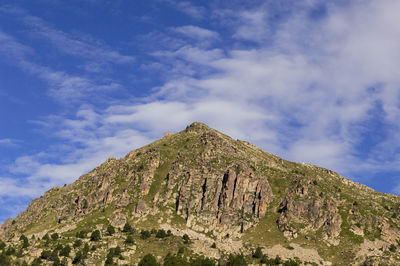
(81, 81)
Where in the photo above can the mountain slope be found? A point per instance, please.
(202, 183)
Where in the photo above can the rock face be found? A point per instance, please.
(222, 199)
(305, 204)
(205, 181)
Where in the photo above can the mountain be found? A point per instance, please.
(201, 193)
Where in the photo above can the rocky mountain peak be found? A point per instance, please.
(203, 183)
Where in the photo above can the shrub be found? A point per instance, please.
(258, 253)
(96, 236)
(78, 258)
(85, 250)
(77, 243)
(54, 236)
(214, 245)
(109, 261)
(181, 250)
(127, 228)
(46, 237)
(129, 240)
(236, 260)
(278, 260)
(110, 230)
(169, 233)
(81, 234)
(25, 242)
(65, 251)
(291, 262)
(186, 239)
(10, 251)
(173, 260)
(144, 234)
(148, 260)
(392, 248)
(161, 233)
(46, 254)
(202, 262)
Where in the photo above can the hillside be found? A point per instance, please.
(227, 196)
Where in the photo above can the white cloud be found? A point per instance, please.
(8, 142)
(186, 7)
(306, 95)
(196, 32)
(63, 87)
(253, 26)
(81, 46)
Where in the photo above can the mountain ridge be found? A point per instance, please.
(202, 182)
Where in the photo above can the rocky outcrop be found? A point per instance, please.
(141, 207)
(305, 205)
(222, 199)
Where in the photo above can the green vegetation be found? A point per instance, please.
(148, 260)
(110, 230)
(96, 236)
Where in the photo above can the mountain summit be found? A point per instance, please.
(214, 196)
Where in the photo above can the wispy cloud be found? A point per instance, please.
(188, 8)
(63, 87)
(196, 32)
(8, 142)
(72, 44)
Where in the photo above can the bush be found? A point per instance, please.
(25, 242)
(258, 253)
(46, 237)
(114, 252)
(174, 260)
(186, 239)
(278, 260)
(10, 251)
(291, 262)
(110, 230)
(169, 233)
(109, 261)
(161, 233)
(78, 258)
(148, 260)
(77, 243)
(202, 262)
(85, 250)
(144, 234)
(392, 248)
(127, 228)
(46, 255)
(129, 240)
(214, 245)
(181, 250)
(96, 236)
(81, 234)
(54, 236)
(65, 251)
(236, 260)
